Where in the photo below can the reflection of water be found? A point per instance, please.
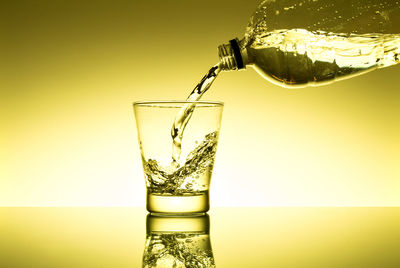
(178, 241)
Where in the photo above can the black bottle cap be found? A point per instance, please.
(236, 52)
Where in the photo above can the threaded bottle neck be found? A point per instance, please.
(230, 56)
(226, 58)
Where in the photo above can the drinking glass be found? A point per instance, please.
(178, 184)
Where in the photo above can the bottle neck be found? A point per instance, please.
(232, 56)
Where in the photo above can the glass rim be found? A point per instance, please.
(166, 102)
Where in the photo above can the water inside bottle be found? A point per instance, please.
(299, 57)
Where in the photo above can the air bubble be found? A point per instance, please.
(287, 8)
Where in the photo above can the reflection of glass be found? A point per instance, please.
(178, 242)
(178, 184)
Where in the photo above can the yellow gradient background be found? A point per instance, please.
(69, 71)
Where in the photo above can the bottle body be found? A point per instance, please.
(335, 45)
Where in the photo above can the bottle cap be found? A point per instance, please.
(236, 52)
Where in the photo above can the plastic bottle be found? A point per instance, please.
(313, 42)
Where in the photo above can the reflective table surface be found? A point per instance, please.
(226, 237)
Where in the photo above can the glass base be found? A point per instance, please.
(181, 204)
